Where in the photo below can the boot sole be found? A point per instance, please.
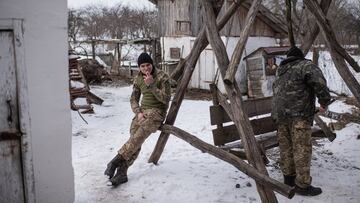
(118, 182)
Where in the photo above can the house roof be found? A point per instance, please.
(269, 51)
(268, 18)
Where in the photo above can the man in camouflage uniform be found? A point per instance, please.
(154, 86)
(297, 83)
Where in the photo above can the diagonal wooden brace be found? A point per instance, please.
(265, 180)
(190, 62)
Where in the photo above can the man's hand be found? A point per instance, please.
(322, 109)
(148, 79)
(140, 117)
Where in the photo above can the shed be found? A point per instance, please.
(261, 67)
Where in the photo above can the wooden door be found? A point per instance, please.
(11, 172)
(207, 68)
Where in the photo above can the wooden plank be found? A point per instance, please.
(94, 99)
(225, 135)
(230, 133)
(263, 125)
(329, 134)
(256, 85)
(8, 96)
(254, 64)
(11, 187)
(253, 107)
(269, 140)
(249, 170)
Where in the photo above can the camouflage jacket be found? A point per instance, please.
(157, 95)
(297, 83)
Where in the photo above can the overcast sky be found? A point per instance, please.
(109, 3)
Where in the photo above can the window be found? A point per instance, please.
(183, 27)
(175, 53)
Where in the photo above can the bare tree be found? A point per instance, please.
(341, 15)
(75, 23)
(94, 26)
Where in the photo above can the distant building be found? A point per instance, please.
(181, 21)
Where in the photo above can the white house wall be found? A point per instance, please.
(201, 76)
(46, 62)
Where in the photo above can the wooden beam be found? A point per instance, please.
(334, 47)
(329, 34)
(311, 36)
(260, 178)
(289, 23)
(271, 137)
(240, 119)
(190, 63)
(329, 134)
(240, 46)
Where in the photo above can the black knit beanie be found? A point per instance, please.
(294, 51)
(144, 58)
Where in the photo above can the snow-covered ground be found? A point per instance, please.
(334, 80)
(185, 174)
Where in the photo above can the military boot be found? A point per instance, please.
(121, 174)
(289, 180)
(308, 191)
(112, 165)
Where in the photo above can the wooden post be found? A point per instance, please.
(93, 48)
(311, 36)
(333, 45)
(215, 99)
(289, 23)
(239, 49)
(189, 66)
(315, 57)
(241, 120)
(119, 48)
(264, 180)
(153, 51)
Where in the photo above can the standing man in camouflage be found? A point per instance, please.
(297, 83)
(153, 85)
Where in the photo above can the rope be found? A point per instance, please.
(82, 117)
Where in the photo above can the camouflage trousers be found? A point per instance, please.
(294, 138)
(139, 131)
